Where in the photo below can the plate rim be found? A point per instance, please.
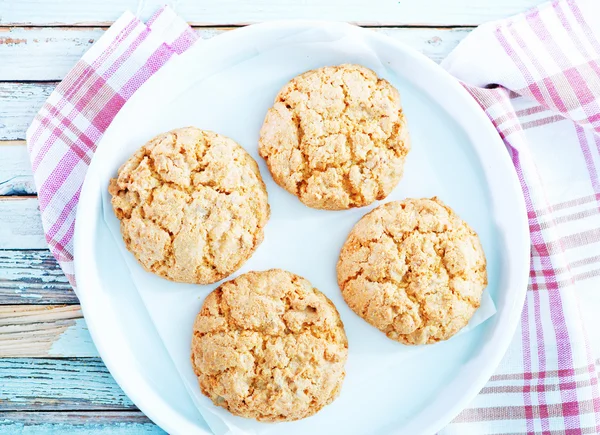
(167, 417)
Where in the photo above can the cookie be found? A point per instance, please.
(336, 137)
(192, 205)
(413, 269)
(269, 346)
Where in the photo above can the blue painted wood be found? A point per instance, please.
(33, 277)
(42, 384)
(77, 423)
(75, 341)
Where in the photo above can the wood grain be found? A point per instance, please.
(235, 12)
(41, 384)
(19, 102)
(33, 277)
(49, 53)
(83, 423)
(15, 170)
(21, 226)
(44, 331)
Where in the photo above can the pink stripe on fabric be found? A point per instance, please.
(560, 13)
(57, 178)
(115, 43)
(589, 160)
(544, 121)
(127, 53)
(155, 16)
(532, 86)
(67, 239)
(153, 64)
(536, 324)
(565, 359)
(526, 347)
(59, 251)
(65, 123)
(584, 24)
(530, 111)
(544, 414)
(55, 112)
(64, 215)
(539, 28)
(555, 95)
(581, 89)
(103, 119)
(524, 45)
(185, 41)
(58, 133)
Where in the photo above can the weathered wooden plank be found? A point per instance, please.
(75, 423)
(21, 226)
(39, 384)
(19, 102)
(31, 60)
(44, 331)
(230, 12)
(49, 53)
(15, 169)
(33, 277)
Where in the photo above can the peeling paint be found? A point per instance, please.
(74, 341)
(12, 41)
(31, 296)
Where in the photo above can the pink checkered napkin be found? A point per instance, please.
(63, 136)
(537, 76)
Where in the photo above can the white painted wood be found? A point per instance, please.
(19, 102)
(34, 50)
(44, 331)
(20, 224)
(234, 12)
(49, 53)
(15, 170)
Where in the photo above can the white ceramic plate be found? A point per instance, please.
(457, 155)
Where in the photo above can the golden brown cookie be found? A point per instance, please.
(413, 269)
(269, 346)
(336, 137)
(192, 205)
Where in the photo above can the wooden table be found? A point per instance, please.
(51, 379)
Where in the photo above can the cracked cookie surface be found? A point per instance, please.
(192, 205)
(414, 270)
(336, 137)
(267, 345)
